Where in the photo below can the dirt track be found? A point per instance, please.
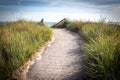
(62, 60)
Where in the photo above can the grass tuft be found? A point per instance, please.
(18, 41)
(102, 44)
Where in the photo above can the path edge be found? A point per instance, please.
(21, 72)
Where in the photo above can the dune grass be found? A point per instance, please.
(18, 41)
(102, 44)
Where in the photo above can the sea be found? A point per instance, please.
(115, 23)
(2, 23)
(49, 24)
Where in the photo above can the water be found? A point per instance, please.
(49, 24)
(2, 23)
(118, 23)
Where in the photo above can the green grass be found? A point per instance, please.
(102, 44)
(18, 41)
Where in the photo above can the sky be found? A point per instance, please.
(55, 10)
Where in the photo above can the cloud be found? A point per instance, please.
(54, 4)
(57, 13)
(19, 2)
(53, 17)
(79, 1)
(89, 3)
(58, 9)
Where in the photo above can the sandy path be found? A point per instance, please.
(61, 60)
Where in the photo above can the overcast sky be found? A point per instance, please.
(55, 10)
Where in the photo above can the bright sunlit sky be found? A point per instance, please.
(55, 10)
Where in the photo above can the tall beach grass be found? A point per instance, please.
(18, 41)
(102, 44)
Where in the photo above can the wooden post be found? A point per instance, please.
(42, 22)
